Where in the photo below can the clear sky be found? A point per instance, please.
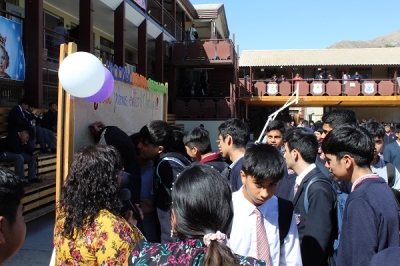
(307, 24)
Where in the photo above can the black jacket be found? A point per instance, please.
(17, 121)
(49, 121)
(12, 143)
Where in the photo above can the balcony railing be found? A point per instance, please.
(51, 44)
(215, 50)
(202, 107)
(368, 87)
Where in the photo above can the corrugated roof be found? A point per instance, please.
(321, 57)
(208, 10)
(208, 6)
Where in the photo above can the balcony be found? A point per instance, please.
(367, 92)
(201, 108)
(203, 52)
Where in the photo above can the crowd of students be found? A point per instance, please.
(270, 203)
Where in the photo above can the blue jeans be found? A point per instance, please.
(19, 160)
(45, 136)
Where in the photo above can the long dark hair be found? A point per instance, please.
(91, 186)
(202, 204)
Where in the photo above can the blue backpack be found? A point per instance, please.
(340, 204)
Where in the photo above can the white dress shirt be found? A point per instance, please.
(301, 176)
(243, 239)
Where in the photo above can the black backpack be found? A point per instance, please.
(391, 172)
(170, 156)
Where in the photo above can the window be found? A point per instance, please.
(14, 2)
(106, 45)
(129, 57)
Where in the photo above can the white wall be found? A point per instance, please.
(128, 108)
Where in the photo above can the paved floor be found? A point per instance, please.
(38, 244)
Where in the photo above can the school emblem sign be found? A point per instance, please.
(317, 88)
(272, 89)
(369, 87)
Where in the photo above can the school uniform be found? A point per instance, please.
(317, 228)
(391, 154)
(286, 185)
(370, 223)
(243, 238)
(234, 174)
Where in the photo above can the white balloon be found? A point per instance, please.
(81, 74)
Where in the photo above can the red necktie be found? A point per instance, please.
(263, 252)
(296, 187)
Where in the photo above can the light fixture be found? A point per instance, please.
(262, 69)
(165, 25)
(148, 12)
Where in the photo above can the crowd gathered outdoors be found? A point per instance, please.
(271, 203)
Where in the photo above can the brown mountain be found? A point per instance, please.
(388, 40)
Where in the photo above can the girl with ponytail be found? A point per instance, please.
(201, 218)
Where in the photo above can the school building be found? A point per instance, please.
(148, 37)
(375, 96)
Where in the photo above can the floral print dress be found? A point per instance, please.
(182, 253)
(107, 241)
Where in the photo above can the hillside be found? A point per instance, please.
(389, 40)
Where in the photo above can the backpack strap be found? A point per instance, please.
(285, 215)
(312, 181)
(170, 156)
(390, 169)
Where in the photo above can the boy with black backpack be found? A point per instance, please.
(156, 140)
(263, 225)
(371, 218)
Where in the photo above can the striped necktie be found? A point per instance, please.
(263, 252)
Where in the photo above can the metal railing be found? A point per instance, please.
(310, 87)
(204, 50)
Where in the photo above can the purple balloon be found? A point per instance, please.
(105, 91)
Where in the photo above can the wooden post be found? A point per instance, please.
(166, 106)
(65, 127)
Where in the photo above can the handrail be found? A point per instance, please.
(11, 14)
(70, 39)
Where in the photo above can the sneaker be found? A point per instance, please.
(35, 180)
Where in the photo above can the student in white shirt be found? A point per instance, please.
(262, 168)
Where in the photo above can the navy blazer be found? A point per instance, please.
(391, 154)
(234, 176)
(17, 121)
(318, 228)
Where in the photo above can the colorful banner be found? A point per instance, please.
(12, 60)
(128, 108)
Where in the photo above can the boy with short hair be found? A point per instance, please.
(198, 147)
(274, 135)
(156, 141)
(258, 212)
(370, 219)
(12, 224)
(232, 139)
(378, 165)
(316, 226)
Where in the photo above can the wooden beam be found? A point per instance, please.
(65, 126)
